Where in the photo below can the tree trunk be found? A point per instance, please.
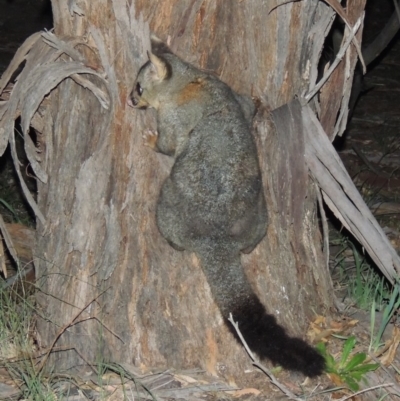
(105, 271)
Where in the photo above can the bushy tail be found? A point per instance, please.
(233, 294)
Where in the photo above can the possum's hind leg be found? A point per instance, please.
(251, 228)
(170, 221)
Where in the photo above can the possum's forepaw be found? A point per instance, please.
(150, 139)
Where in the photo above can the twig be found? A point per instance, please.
(365, 390)
(256, 363)
(325, 228)
(387, 371)
(101, 323)
(71, 322)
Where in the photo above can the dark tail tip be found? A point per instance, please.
(269, 340)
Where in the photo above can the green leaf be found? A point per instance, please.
(353, 385)
(330, 364)
(356, 375)
(369, 367)
(347, 347)
(357, 359)
(321, 348)
(359, 372)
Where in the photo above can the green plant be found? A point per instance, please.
(365, 286)
(349, 369)
(362, 285)
(388, 311)
(10, 209)
(340, 257)
(17, 349)
(34, 385)
(15, 326)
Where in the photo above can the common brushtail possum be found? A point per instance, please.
(212, 203)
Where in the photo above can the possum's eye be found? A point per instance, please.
(139, 89)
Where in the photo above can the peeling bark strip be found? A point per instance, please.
(342, 196)
(338, 190)
(44, 70)
(10, 247)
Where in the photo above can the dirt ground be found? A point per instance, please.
(370, 150)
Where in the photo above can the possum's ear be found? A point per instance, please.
(158, 46)
(159, 67)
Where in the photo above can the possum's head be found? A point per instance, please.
(150, 83)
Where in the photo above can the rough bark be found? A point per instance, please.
(99, 247)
